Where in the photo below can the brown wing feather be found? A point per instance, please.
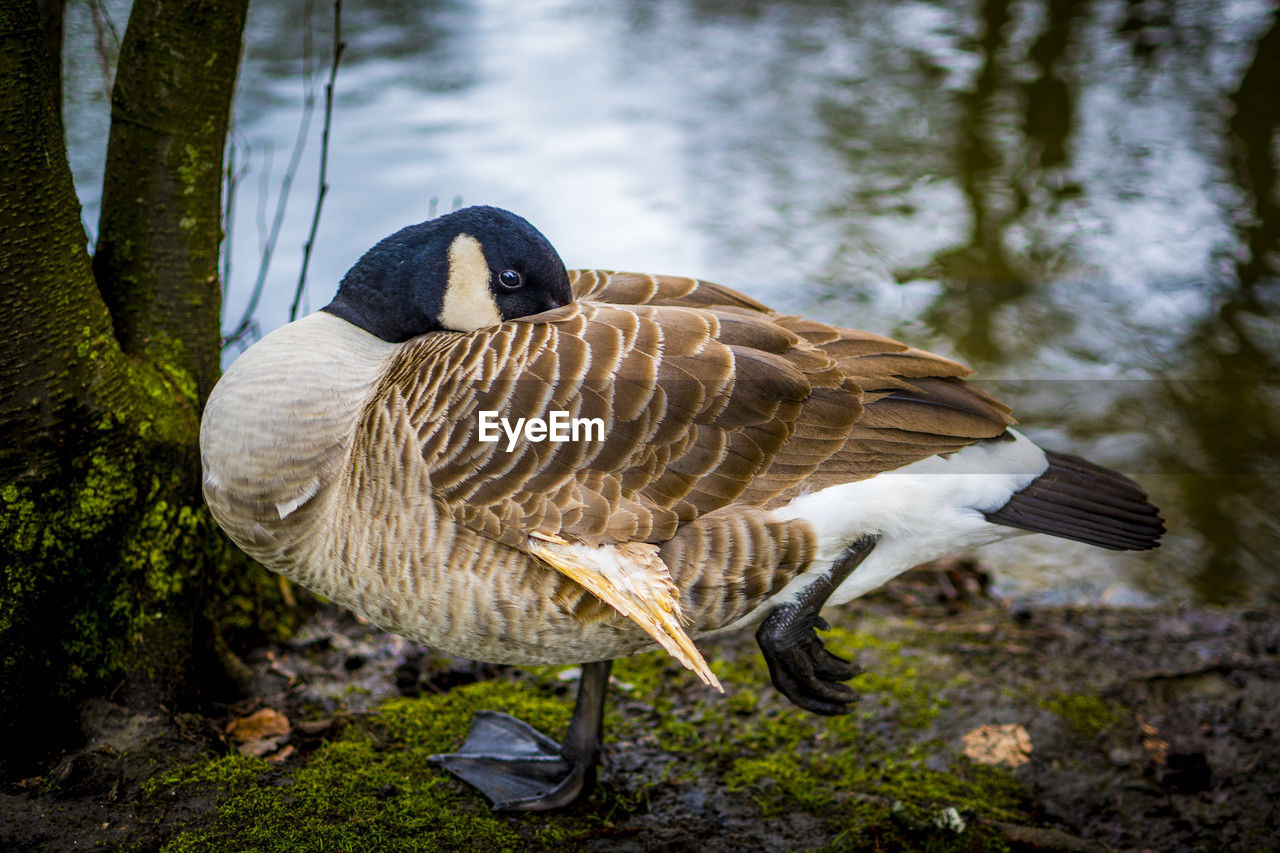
(633, 288)
(915, 404)
(708, 398)
(696, 412)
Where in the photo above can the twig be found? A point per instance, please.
(323, 190)
(233, 179)
(249, 331)
(102, 23)
(1045, 838)
(264, 191)
(228, 209)
(286, 184)
(1213, 667)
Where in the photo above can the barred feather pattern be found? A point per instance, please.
(715, 409)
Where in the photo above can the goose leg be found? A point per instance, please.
(519, 768)
(800, 666)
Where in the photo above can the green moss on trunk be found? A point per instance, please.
(110, 567)
(161, 222)
(115, 570)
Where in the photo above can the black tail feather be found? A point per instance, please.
(1076, 499)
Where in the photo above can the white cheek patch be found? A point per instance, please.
(468, 302)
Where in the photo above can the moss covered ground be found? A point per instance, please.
(1133, 741)
(373, 788)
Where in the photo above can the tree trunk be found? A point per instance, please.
(110, 567)
(161, 223)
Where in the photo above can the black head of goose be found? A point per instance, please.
(438, 276)
(734, 467)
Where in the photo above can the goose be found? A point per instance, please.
(738, 467)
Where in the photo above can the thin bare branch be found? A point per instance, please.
(338, 46)
(264, 193)
(245, 326)
(236, 172)
(107, 54)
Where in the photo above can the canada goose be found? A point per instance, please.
(752, 469)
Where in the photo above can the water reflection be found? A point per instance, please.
(1232, 416)
(1078, 198)
(979, 278)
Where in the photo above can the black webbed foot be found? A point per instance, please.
(519, 768)
(799, 664)
(801, 667)
(516, 766)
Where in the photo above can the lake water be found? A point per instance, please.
(1078, 199)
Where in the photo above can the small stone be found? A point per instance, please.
(949, 819)
(694, 800)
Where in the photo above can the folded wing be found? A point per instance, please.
(707, 399)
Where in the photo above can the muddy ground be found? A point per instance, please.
(1104, 729)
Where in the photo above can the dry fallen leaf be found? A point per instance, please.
(1007, 744)
(1157, 749)
(260, 747)
(259, 726)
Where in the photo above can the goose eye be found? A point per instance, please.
(510, 279)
